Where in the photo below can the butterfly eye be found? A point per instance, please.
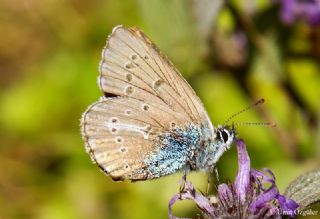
(225, 135)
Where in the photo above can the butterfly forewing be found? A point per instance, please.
(151, 98)
(132, 65)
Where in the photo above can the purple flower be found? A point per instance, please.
(305, 10)
(254, 194)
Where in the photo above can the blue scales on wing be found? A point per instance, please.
(174, 150)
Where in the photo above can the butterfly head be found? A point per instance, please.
(225, 135)
(214, 146)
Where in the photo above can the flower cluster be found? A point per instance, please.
(294, 10)
(254, 194)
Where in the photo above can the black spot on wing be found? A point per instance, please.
(109, 95)
(117, 178)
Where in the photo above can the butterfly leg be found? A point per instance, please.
(209, 181)
(216, 173)
(183, 183)
(210, 175)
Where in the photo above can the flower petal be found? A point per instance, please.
(224, 192)
(242, 182)
(171, 202)
(267, 211)
(226, 196)
(190, 193)
(287, 205)
(260, 177)
(264, 198)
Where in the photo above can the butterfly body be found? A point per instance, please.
(149, 123)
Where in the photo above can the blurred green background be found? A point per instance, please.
(231, 54)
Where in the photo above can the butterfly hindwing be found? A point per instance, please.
(120, 132)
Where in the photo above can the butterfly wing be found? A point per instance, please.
(133, 66)
(146, 97)
(120, 131)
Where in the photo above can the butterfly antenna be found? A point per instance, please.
(259, 102)
(272, 124)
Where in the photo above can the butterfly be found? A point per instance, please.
(149, 122)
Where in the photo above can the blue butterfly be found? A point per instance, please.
(150, 122)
